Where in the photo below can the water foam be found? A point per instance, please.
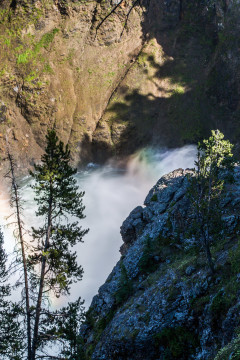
(110, 194)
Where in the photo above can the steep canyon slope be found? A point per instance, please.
(160, 301)
(114, 75)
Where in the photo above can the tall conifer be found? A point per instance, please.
(50, 262)
(59, 202)
(214, 168)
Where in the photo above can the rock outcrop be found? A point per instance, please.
(160, 301)
(113, 76)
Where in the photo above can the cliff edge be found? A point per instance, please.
(160, 301)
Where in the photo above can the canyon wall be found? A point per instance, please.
(113, 76)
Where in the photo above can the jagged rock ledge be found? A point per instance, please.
(160, 301)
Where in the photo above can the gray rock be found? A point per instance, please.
(128, 228)
(169, 297)
(190, 270)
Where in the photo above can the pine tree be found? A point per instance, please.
(10, 333)
(66, 323)
(214, 168)
(50, 263)
(58, 202)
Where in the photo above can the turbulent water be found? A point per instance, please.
(110, 194)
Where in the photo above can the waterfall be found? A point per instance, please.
(111, 192)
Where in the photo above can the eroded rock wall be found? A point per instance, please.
(113, 76)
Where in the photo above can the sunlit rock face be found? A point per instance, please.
(113, 78)
(160, 300)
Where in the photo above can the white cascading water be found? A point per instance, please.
(110, 195)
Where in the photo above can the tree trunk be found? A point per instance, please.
(42, 280)
(24, 261)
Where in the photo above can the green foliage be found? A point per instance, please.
(214, 167)
(198, 304)
(59, 201)
(234, 257)
(89, 318)
(3, 15)
(220, 305)
(143, 58)
(30, 77)
(179, 343)
(24, 57)
(230, 351)
(65, 324)
(57, 196)
(126, 287)
(51, 265)
(97, 325)
(102, 323)
(45, 41)
(154, 197)
(11, 345)
(215, 155)
(179, 90)
(17, 42)
(154, 252)
(47, 69)
(147, 265)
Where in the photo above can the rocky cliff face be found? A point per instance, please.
(115, 75)
(160, 301)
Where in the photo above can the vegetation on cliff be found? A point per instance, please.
(214, 167)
